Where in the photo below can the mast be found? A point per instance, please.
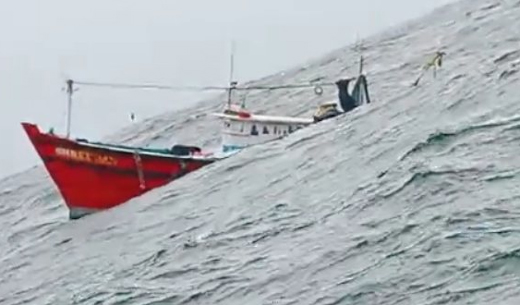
(70, 91)
(232, 83)
(361, 59)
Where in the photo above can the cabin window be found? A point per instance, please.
(265, 131)
(275, 130)
(254, 131)
(290, 128)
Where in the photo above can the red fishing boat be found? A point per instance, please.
(93, 176)
(97, 176)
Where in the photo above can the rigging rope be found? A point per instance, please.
(144, 86)
(201, 88)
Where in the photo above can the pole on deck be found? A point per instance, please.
(232, 84)
(70, 91)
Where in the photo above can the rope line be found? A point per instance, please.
(201, 88)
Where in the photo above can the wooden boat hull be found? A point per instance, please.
(93, 177)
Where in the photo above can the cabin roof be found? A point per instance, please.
(266, 119)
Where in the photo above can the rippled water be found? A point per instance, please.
(413, 199)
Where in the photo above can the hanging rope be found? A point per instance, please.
(139, 166)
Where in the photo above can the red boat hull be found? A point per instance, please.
(93, 177)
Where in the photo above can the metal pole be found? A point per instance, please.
(361, 59)
(231, 70)
(70, 90)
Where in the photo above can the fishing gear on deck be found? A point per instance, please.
(435, 63)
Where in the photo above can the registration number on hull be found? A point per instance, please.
(85, 156)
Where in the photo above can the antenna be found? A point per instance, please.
(360, 50)
(231, 61)
(70, 90)
(232, 83)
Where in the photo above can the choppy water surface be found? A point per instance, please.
(413, 199)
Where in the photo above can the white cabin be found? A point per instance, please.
(241, 128)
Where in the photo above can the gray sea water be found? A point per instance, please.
(413, 199)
